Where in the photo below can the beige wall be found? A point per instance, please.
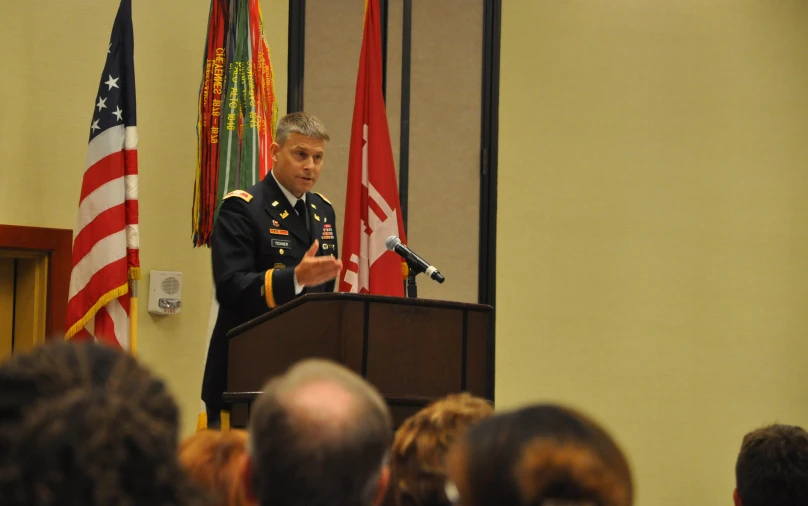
(446, 70)
(333, 41)
(444, 213)
(51, 80)
(652, 208)
(652, 257)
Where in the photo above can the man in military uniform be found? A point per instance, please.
(271, 243)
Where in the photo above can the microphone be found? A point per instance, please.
(394, 244)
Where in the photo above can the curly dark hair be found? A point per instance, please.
(83, 423)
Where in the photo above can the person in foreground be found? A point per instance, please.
(213, 460)
(772, 467)
(541, 455)
(420, 446)
(319, 436)
(271, 243)
(85, 424)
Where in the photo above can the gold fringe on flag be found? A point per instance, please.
(103, 301)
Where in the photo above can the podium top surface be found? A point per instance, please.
(313, 298)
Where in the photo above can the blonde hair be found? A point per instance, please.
(212, 459)
(422, 442)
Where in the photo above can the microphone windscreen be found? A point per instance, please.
(392, 242)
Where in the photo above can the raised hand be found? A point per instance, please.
(314, 270)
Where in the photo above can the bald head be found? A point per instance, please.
(319, 435)
(321, 409)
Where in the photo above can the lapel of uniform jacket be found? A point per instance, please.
(277, 205)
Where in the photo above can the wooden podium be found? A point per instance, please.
(413, 350)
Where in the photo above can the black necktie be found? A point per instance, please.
(300, 208)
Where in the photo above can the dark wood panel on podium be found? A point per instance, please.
(413, 350)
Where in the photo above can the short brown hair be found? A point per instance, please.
(772, 467)
(301, 123)
(302, 455)
(421, 443)
(212, 459)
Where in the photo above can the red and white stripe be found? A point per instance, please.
(105, 243)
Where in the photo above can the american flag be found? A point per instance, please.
(105, 242)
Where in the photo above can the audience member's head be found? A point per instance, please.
(542, 455)
(772, 468)
(86, 424)
(420, 446)
(319, 435)
(213, 460)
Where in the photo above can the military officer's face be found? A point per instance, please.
(298, 162)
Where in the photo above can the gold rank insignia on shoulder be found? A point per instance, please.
(323, 197)
(275, 204)
(316, 217)
(246, 197)
(279, 266)
(285, 214)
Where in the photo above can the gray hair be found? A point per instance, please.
(300, 458)
(302, 123)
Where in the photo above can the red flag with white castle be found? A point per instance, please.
(372, 210)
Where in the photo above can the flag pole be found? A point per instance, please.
(133, 317)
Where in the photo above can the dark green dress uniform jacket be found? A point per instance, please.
(258, 239)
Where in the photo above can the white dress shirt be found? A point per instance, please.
(292, 201)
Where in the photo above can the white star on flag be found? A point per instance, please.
(102, 104)
(95, 126)
(112, 83)
(117, 112)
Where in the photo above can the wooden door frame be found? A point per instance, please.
(58, 243)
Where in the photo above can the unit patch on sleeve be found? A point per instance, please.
(240, 194)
